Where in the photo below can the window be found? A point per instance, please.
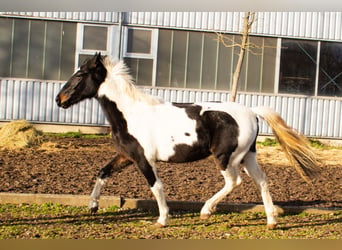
(298, 67)
(37, 49)
(91, 39)
(190, 59)
(140, 54)
(330, 69)
(139, 41)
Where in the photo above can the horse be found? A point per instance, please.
(146, 130)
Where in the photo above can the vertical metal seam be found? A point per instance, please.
(216, 62)
(317, 67)
(60, 50)
(262, 64)
(277, 66)
(186, 59)
(28, 48)
(44, 49)
(201, 65)
(12, 48)
(171, 57)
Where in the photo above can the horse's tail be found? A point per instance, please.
(295, 146)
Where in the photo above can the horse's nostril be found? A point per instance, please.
(58, 100)
(61, 98)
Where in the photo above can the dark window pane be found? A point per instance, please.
(164, 56)
(330, 70)
(5, 46)
(95, 38)
(254, 56)
(141, 70)
(139, 41)
(194, 60)
(36, 50)
(209, 62)
(268, 65)
(68, 50)
(52, 51)
(20, 48)
(298, 67)
(224, 67)
(178, 59)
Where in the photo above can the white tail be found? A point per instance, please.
(295, 146)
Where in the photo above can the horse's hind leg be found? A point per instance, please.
(118, 162)
(232, 179)
(259, 177)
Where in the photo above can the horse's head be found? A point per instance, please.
(84, 83)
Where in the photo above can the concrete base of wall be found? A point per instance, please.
(151, 205)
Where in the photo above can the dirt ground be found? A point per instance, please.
(70, 166)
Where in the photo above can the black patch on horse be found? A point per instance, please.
(224, 132)
(124, 142)
(217, 133)
(253, 146)
(200, 149)
(192, 110)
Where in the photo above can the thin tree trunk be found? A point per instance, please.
(248, 21)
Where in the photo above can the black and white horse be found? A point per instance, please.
(146, 130)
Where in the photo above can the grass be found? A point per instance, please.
(54, 221)
(313, 143)
(78, 135)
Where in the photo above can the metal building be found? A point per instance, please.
(294, 64)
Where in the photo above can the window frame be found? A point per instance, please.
(111, 29)
(153, 52)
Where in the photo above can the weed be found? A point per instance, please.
(269, 142)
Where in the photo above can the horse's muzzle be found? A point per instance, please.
(61, 100)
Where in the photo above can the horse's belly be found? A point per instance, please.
(186, 153)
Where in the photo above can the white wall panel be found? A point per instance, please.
(35, 101)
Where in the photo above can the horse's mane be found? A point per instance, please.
(118, 72)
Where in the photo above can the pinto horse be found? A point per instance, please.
(146, 130)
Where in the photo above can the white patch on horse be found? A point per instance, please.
(161, 127)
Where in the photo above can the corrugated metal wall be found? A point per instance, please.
(106, 17)
(35, 101)
(309, 25)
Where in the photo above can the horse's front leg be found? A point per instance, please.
(118, 162)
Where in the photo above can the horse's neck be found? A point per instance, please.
(114, 116)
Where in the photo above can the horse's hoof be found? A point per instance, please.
(204, 216)
(271, 226)
(159, 225)
(93, 210)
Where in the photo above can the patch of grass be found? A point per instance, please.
(78, 135)
(317, 144)
(268, 142)
(53, 221)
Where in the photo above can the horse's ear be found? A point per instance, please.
(98, 57)
(95, 61)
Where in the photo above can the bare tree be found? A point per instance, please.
(247, 24)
